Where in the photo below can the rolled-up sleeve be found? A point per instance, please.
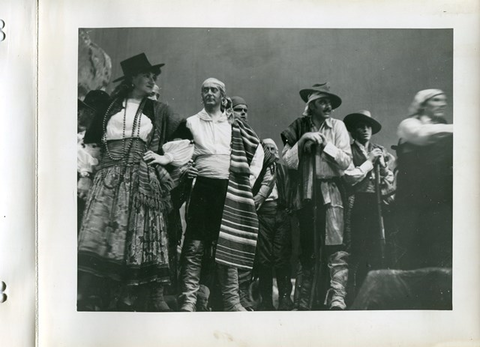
(290, 156)
(339, 152)
(355, 174)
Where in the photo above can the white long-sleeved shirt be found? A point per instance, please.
(355, 174)
(421, 131)
(335, 157)
(212, 147)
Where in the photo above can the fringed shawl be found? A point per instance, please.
(302, 179)
(152, 193)
(239, 227)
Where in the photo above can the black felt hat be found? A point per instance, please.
(137, 64)
(361, 116)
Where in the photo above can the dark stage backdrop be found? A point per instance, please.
(375, 69)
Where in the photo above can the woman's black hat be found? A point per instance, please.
(137, 64)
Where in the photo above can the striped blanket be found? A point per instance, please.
(239, 228)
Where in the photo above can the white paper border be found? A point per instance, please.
(61, 325)
(17, 172)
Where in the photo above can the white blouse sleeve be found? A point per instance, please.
(421, 134)
(87, 155)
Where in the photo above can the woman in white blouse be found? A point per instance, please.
(123, 257)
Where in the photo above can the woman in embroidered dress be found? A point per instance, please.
(122, 245)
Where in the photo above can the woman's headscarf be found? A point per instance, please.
(420, 99)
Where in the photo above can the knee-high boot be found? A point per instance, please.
(265, 284)
(303, 288)
(190, 274)
(156, 301)
(338, 264)
(228, 278)
(284, 283)
(244, 281)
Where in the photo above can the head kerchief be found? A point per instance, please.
(420, 98)
(270, 142)
(312, 97)
(218, 83)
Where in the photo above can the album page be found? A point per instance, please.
(18, 82)
(375, 55)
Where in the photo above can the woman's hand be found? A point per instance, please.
(154, 158)
(83, 187)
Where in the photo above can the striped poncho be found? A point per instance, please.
(239, 228)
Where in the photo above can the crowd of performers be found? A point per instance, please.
(141, 167)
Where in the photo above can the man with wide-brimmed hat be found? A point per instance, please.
(364, 221)
(317, 148)
(221, 221)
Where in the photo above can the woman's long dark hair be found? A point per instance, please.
(123, 89)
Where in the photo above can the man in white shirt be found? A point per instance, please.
(317, 148)
(221, 218)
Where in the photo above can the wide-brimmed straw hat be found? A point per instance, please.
(322, 88)
(361, 116)
(94, 100)
(137, 64)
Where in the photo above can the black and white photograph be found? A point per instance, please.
(237, 169)
(269, 173)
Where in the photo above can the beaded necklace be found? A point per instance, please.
(125, 151)
(126, 147)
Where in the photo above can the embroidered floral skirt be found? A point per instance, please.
(118, 240)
